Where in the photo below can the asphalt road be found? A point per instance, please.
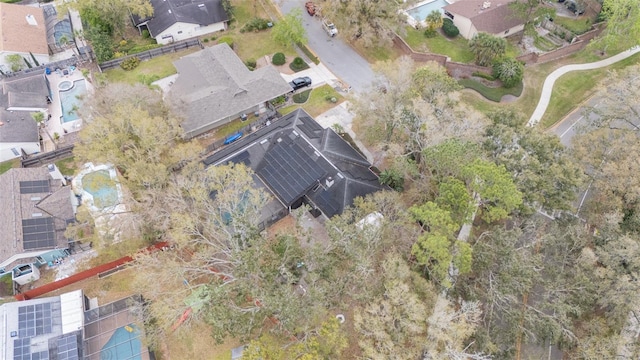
(334, 53)
(567, 128)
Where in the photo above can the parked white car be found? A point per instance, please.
(329, 28)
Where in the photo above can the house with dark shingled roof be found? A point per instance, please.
(494, 17)
(300, 162)
(175, 20)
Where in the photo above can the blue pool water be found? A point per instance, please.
(123, 345)
(103, 189)
(69, 100)
(420, 12)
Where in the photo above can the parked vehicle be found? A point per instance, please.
(231, 138)
(329, 28)
(311, 8)
(300, 82)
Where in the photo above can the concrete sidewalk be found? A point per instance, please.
(547, 88)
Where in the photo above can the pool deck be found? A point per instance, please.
(420, 23)
(55, 124)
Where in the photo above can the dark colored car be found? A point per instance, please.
(300, 82)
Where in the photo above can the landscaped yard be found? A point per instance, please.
(576, 26)
(457, 48)
(67, 166)
(491, 93)
(156, 68)
(319, 101)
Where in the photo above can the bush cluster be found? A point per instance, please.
(278, 59)
(130, 63)
(226, 39)
(430, 32)
(251, 64)
(256, 25)
(449, 29)
(298, 64)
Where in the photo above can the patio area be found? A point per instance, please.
(68, 86)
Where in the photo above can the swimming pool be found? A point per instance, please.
(102, 187)
(420, 12)
(71, 99)
(124, 344)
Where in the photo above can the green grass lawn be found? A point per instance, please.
(317, 103)
(491, 93)
(67, 166)
(576, 26)
(457, 48)
(160, 67)
(5, 166)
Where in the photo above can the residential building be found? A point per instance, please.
(495, 17)
(71, 327)
(214, 87)
(23, 32)
(35, 211)
(21, 97)
(299, 162)
(175, 20)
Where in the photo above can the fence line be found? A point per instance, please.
(40, 159)
(150, 54)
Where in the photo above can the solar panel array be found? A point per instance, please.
(38, 233)
(34, 320)
(35, 187)
(68, 347)
(22, 349)
(289, 171)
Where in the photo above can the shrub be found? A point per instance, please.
(226, 39)
(278, 59)
(509, 70)
(130, 63)
(430, 32)
(449, 29)
(278, 101)
(146, 34)
(298, 64)
(251, 64)
(256, 25)
(206, 40)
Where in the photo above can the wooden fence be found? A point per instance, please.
(48, 157)
(149, 54)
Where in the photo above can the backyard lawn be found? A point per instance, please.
(152, 69)
(457, 48)
(576, 26)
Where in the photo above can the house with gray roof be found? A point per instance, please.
(299, 162)
(35, 211)
(20, 98)
(494, 17)
(214, 87)
(175, 20)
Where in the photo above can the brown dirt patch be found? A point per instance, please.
(196, 343)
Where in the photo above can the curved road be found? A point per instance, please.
(547, 88)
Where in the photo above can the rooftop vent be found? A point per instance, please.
(486, 4)
(329, 181)
(31, 20)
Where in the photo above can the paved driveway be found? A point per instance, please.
(339, 57)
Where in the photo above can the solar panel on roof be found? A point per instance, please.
(38, 233)
(68, 347)
(34, 187)
(34, 320)
(22, 349)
